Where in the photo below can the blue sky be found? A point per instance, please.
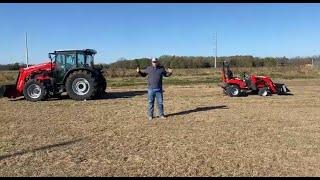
(144, 30)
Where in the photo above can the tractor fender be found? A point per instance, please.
(232, 84)
(76, 69)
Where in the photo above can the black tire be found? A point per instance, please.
(2, 91)
(102, 85)
(263, 91)
(224, 91)
(35, 90)
(233, 91)
(81, 85)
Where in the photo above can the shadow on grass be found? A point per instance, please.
(17, 99)
(282, 94)
(199, 109)
(286, 94)
(125, 94)
(109, 95)
(39, 149)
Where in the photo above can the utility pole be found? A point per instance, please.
(27, 55)
(215, 58)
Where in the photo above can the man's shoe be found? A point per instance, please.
(149, 118)
(163, 117)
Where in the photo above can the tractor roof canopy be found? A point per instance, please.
(86, 51)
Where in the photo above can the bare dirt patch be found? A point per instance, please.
(205, 134)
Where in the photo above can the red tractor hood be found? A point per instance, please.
(46, 66)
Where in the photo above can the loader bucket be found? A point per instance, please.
(9, 91)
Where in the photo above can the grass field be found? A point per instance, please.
(129, 77)
(205, 134)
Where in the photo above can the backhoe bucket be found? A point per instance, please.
(282, 89)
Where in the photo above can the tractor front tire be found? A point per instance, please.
(233, 91)
(81, 85)
(263, 92)
(35, 90)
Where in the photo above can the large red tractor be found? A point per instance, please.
(70, 71)
(261, 85)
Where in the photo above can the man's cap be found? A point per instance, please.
(154, 59)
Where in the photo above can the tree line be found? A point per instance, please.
(14, 66)
(181, 62)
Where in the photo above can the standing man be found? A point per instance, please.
(155, 74)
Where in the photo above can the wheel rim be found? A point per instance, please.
(34, 91)
(264, 93)
(234, 91)
(80, 86)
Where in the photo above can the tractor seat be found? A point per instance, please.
(229, 74)
(248, 82)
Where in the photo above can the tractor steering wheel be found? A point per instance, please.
(246, 76)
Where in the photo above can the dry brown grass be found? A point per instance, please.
(8, 76)
(206, 134)
(275, 72)
(129, 77)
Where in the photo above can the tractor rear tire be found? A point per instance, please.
(264, 91)
(81, 85)
(102, 85)
(35, 90)
(233, 91)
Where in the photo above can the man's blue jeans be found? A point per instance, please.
(152, 95)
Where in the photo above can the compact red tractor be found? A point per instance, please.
(261, 85)
(70, 71)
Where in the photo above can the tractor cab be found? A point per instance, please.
(73, 58)
(66, 60)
